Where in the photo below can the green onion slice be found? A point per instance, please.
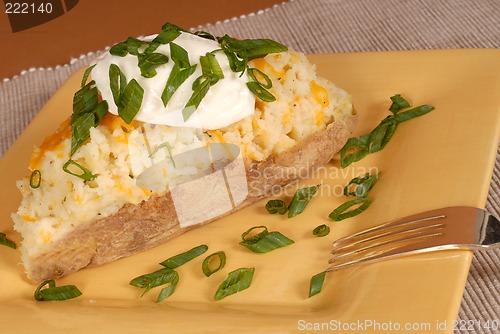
(166, 36)
(155, 279)
(80, 129)
(204, 34)
(339, 213)
(84, 172)
(363, 185)
(130, 101)
(412, 113)
(175, 80)
(251, 73)
(179, 55)
(6, 242)
(264, 241)
(276, 206)
(321, 230)
(398, 103)
(131, 45)
(56, 293)
(169, 151)
(258, 90)
(180, 259)
(149, 62)
(205, 267)
(35, 179)
(194, 101)
(86, 74)
(85, 99)
(382, 134)
(170, 26)
(251, 48)
(236, 281)
(316, 283)
(117, 82)
(301, 199)
(354, 150)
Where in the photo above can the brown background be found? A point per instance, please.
(94, 24)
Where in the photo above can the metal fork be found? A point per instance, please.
(447, 228)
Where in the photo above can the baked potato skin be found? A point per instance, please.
(135, 228)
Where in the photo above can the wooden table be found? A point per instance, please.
(91, 25)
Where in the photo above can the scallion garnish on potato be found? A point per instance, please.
(35, 179)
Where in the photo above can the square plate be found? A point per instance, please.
(442, 159)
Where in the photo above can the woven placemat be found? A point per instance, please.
(328, 26)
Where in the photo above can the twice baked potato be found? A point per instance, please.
(117, 192)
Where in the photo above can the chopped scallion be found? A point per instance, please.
(6, 242)
(180, 259)
(398, 103)
(80, 172)
(155, 279)
(130, 101)
(35, 179)
(321, 230)
(236, 281)
(56, 293)
(86, 74)
(300, 200)
(264, 241)
(339, 213)
(276, 206)
(207, 263)
(316, 283)
(363, 185)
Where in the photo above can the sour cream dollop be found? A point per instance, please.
(226, 102)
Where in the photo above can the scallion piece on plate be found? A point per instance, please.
(321, 230)
(363, 185)
(264, 241)
(340, 212)
(316, 283)
(355, 149)
(35, 179)
(276, 206)
(398, 103)
(180, 259)
(301, 199)
(155, 279)
(56, 293)
(6, 242)
(208, 264)
(236, 281)
(258, 90)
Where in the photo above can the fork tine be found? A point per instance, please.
(381, 248)
(381, 237)
(387, 228)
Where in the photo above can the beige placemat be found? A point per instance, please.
(326, 26)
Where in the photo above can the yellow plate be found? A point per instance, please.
(444, 158)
